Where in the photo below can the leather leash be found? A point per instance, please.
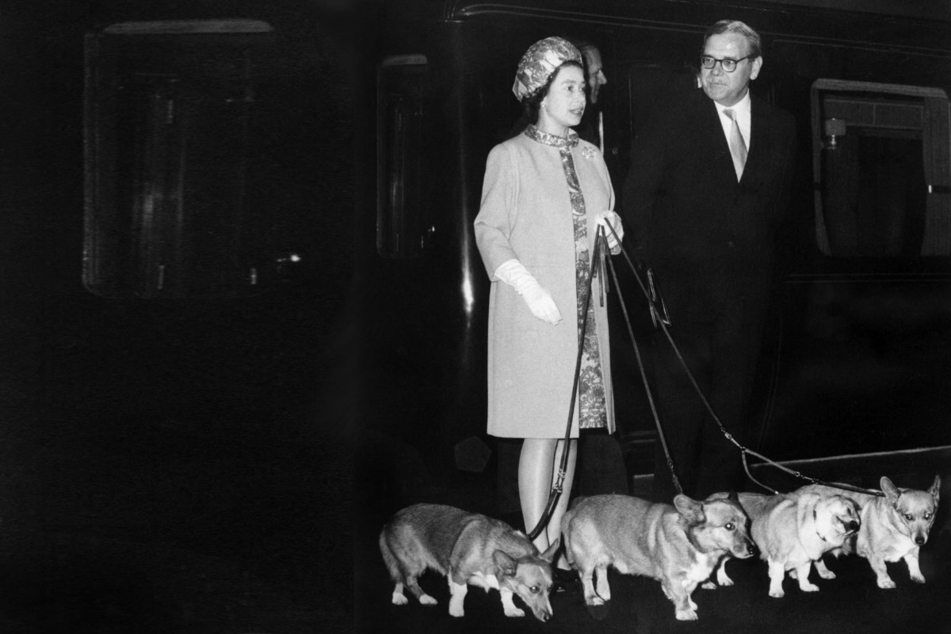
(597, 265)
(745, 451)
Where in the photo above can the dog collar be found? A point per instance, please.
(689, 532)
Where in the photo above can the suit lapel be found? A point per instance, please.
(760, 137)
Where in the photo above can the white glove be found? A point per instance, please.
(609, 219)
(538, 299)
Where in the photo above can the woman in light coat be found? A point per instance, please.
(544, 194)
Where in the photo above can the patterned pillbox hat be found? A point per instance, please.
(540, 61)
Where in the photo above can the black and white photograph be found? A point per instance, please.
(435, 316)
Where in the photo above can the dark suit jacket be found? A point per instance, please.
(685, 211)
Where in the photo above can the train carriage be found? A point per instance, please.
(857, 353)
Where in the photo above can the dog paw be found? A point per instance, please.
(793, 574)
(425, 600)
(515, 612)
(918, 578)
(709, 585)
(687, 615)
(808, 587)
(826, 574)
(886, 583)
(399, 599)
(777, 594)
(457, 612)
(595, 600)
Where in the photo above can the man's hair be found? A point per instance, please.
(583, 45)
(740, 28)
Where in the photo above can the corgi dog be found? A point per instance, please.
(679, 544)
(895, 526)
(793, 532)
(469, 549)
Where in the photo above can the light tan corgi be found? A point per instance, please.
(894, 526)
(469, 549)
(795, 534)
(793, 531)
(678, 545)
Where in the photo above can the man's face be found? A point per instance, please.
(728, 88)
(596, 78)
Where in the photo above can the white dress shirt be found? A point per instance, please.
(742, 110)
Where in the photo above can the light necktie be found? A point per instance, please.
(737, 144)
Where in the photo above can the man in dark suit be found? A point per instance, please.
(591, 122)
(708, 185)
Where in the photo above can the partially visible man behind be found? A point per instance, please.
(591, 127)
(705, 195)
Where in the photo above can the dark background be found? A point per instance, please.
(179, 465)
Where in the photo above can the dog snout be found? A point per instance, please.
(543, 615)
(744, 548)
(852, 526)
(750, 545)
(921, 539)
(750, 548)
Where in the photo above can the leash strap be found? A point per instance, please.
(640, 361)
(651, 296)
(597, 265)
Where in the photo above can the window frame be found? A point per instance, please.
(936, 147)
(403, 212)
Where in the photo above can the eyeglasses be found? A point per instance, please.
(728, 65)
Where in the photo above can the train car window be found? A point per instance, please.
(189, 134)
(881, 169)
(403, 227)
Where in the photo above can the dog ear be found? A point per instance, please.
(935, 489)
(734, 496)
(505, 563)
(890, 490)
(549, 555)
(689, 508)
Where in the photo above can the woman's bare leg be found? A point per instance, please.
(537, 472)
(554, 525)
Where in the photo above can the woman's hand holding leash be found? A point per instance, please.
(612, 229)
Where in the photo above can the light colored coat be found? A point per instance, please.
(526, 215)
